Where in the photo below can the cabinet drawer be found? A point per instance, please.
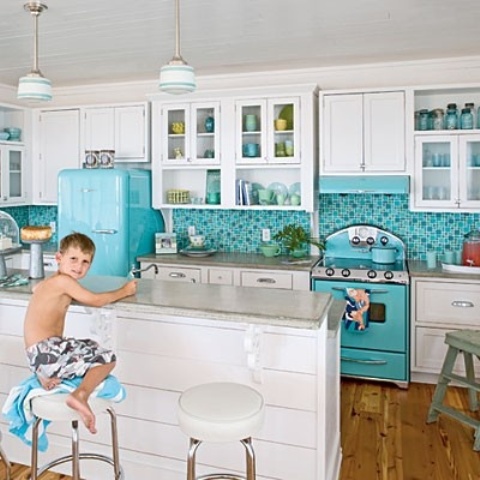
(267, 280)
(431, 349)
(220, 277)
(448, 303)
(179, 274)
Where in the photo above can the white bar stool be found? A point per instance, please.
(54, 408)
(3, 457)
(221, 412)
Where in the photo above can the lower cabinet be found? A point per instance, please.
(440, 305)
(240, 277)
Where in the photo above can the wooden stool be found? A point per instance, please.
(220, 412)
(54, 408)
(468, 342)
(3, 457)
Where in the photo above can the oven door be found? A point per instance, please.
(388, 315)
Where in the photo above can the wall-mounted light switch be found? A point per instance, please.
(266, 237)
(191, 230)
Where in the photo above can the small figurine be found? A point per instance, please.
(178, 153)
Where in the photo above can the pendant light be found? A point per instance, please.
(177, 76)
(35, 86)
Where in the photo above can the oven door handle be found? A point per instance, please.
(364, 362)
(340, 289)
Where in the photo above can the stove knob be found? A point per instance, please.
(345, 272)
(356, 240)
(329, 272)
(384, 240)
(370, 240)
(388, 275)
(371, 274)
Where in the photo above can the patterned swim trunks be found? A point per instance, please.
(60, 357)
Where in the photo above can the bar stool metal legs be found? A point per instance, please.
(76, 456)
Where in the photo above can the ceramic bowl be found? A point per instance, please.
(14, 132)
(197, 241)
(4, 135)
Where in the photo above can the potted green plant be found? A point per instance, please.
(295, 239)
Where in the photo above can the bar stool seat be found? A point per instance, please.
(54, 408)
(221, 412)
(4, 459)
(468, 342)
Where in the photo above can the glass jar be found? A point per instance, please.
(478, 117)
(451, 119)
(438, 119)
(471, 249)
(423, 121)
(466, 119)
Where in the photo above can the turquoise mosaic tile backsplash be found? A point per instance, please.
(240, 230)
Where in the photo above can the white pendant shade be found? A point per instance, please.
(34, 87)
(177, 78)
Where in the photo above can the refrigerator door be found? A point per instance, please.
(96, 203)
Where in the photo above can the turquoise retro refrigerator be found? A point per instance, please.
(112, 207)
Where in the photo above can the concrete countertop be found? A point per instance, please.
(285, 308)
(418, 268)
(234, 260)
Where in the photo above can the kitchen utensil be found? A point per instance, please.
(209, 124)
(279, 189)
(280, 124)
(4, 135)
(471, 249)
(178, 128)
(251, 150)
(197, 252)
(14, 133)
(460, 269)
(431, 259)
(250, 123)
(197, 240)
(270, 249)
(266, 196)
(287, 114)
(295, 199)
(385, 255)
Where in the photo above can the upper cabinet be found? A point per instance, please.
(12, 174)
(122, 128)
(363, 133)
(58, 134)
(235, 150)
(447, 156)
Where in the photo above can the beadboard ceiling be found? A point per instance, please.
(97, 41)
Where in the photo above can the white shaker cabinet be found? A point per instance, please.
(12, 174)
(362, 132)
(58, 148)
(440, 305)
(123, 128)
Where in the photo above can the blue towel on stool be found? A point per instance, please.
(17, 408)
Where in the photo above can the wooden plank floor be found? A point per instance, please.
(385, 437)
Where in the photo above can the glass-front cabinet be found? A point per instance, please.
(237, 150)
(447, 171)
(267, 131)
(12, 182)
(192, 133)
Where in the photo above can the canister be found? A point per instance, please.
(423, 121)
(466, 120)
(438, 119)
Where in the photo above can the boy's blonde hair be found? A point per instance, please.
(78, 240)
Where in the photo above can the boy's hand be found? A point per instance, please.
(130, 288)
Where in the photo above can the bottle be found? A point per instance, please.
(451, 120)
(437, 119)
(466, 119)
(423, 121)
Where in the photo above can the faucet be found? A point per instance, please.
(134, 271)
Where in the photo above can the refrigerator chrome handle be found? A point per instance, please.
(106, 231)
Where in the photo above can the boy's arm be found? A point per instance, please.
(82, 295)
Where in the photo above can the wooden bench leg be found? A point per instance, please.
(442, 384)
(472, 394)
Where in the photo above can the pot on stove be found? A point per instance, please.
(471, 249)
(384, 254)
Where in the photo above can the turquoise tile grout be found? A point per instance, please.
(240, 230)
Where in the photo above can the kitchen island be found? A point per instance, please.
(172, 336)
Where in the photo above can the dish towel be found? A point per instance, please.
(356, 313)
(17, 408)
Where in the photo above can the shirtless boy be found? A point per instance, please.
(53, 357)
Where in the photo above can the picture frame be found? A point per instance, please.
(165, 243)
